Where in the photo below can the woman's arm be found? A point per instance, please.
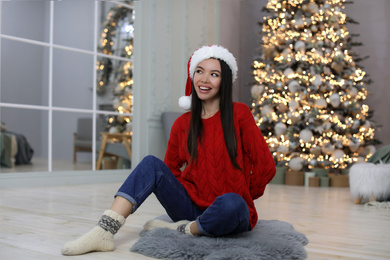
(172, 155)
(256, 150)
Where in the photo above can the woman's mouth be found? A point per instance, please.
(204, 89)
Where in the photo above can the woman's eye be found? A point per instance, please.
(198, 71)
(215, 74)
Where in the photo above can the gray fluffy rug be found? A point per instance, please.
(270, 239)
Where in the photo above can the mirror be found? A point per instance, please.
(65, 79)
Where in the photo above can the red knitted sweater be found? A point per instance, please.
(213, 174)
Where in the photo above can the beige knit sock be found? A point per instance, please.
(100, 238)
(181, 226)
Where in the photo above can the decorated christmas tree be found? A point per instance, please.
(309, 91)
(116, 74)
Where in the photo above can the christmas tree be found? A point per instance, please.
(309, 91)
(118, 21)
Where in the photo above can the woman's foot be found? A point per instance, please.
(97, 239)
(100, 238)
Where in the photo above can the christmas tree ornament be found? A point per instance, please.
(296, 164)
(293, 86)
(317, 80)
(293, 105)
(353, 145)
(288, 72)
(280, 128)
(113, 130)
(300, 46)
(338, 155)
(306, 135)
(282, 108)
(335, 100)
(327, 148)
(316, 151)
(313, 7)
(267, 111)
(282, 149)
(256, 90)
(320, 103)
(116, 103)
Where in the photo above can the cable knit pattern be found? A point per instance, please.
(213, 174)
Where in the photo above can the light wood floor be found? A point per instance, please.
(35, 222)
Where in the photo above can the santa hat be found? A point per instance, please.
(204, 53)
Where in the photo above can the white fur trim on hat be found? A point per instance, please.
(213, 51)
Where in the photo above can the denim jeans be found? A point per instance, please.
(228, 214)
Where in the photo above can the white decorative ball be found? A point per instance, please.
(266, 110)
(116, 103)
(300, 46)
(313, 162)
(335, 100)
(296, 164)
(125, 105)
(113, 130)
(328, 148)
(360, 160)
(327, 125)
(353, 92)
(282, 149)
(338, 154)
(353, 146)
(120, 119)
(288, 72)
(313, 7)
(280, 128)
(316, 151)
(317, 80)
(256, 90)
(293, 104)
(286, 52)
(282, 108)
(118, 90)
(299, 23)
(321, 103)
(306, 135)
(371, 149)
(293, 86)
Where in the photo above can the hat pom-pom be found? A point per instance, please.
(185, 102)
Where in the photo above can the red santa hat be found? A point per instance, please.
(204, 53)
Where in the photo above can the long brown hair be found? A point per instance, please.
(195, 132)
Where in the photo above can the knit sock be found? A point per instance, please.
(181, 226)
(100, 238)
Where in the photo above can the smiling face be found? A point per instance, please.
(207, 80)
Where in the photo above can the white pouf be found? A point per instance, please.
(369, 182)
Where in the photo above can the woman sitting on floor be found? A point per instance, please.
(226, 161)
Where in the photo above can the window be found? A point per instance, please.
(49, 79)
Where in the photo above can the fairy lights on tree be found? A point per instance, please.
(309, 92)
(117, 38)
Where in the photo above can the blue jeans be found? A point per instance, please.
(228, 214)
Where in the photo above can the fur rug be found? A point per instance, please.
(270, 239)
(368, 180)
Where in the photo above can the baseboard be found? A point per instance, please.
(36, 179)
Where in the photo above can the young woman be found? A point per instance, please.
(217, 162)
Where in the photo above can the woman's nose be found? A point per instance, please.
(205, 78)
